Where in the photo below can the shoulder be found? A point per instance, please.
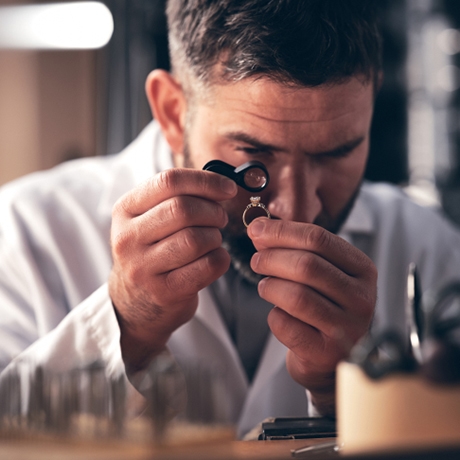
(390, 205)
(409, 232)
(80, 179)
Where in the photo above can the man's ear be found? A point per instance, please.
(168, 105)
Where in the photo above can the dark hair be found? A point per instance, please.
(299, 42)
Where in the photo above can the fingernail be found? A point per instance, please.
(256, 227)
(261, 284)
(225, 219)
(228, 186)
(255, 260)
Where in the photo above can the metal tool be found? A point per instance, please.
(413, 312)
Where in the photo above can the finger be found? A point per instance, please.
(176, 213)
(306, 342)
(312, 270)
(194, 277)
(182, 248)
(305, 304)
(175, 182)
(266, 233)
(296, 335)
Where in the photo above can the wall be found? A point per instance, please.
(48, 108)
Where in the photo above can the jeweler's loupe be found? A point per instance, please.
(252, 176)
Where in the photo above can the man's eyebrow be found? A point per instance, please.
(240, 136)
(341, 149)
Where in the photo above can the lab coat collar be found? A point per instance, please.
(143, 163)
(135, 164)
(360, 219)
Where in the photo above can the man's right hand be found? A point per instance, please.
(166, 246)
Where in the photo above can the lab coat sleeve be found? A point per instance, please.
(89, 333)
(312, 410)
(37, 324)
(46, 237)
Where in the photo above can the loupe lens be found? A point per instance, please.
(255, 178)
(252, 176)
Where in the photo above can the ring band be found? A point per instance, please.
(255, 203)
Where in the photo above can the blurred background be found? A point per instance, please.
(61, 104)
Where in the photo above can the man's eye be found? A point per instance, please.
(335, 155)
(251, 150)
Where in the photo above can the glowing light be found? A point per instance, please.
(449, 41)
(76, 25)
(448, 78)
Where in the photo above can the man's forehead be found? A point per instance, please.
(267, 99)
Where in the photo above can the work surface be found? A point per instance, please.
(231, 450)
(224, 451)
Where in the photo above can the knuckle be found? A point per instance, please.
(176, 283)
(277, 322)
(299, 300)
(180, 209)
(212, 237)
(123, 206)
(195, 240)
(372, 272)
(166, 180)
(217, 262)
(265, 257)
(117, 208)
(121, 243)
(175, 208)
(281, 323)
(306, 264)
(317, 237)
(279, 230)
(367, 291)
(218, 214)
(190, 280)
(364, 303)
(189, 241)
(182, 283)
(296, 337)
(367, 269)
(203, 183)
(367, 300)
(173, 179)
(133, 274)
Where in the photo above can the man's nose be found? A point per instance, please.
(293, 193)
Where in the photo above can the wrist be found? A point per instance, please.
(324, 403)
(138, 346)
(323, 395)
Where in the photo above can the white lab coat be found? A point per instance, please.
(55, 259)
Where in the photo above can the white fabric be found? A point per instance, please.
(55, 260)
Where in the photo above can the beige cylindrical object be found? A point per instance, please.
(397, 412)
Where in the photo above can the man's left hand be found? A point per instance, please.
(324, 290)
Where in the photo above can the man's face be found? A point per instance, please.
(313, 141)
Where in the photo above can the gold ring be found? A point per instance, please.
(255, 203)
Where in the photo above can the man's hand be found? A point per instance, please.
(324, 290)
(166, 246)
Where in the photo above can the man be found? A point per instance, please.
(290, 84)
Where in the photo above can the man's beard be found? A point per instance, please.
(240, 247)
